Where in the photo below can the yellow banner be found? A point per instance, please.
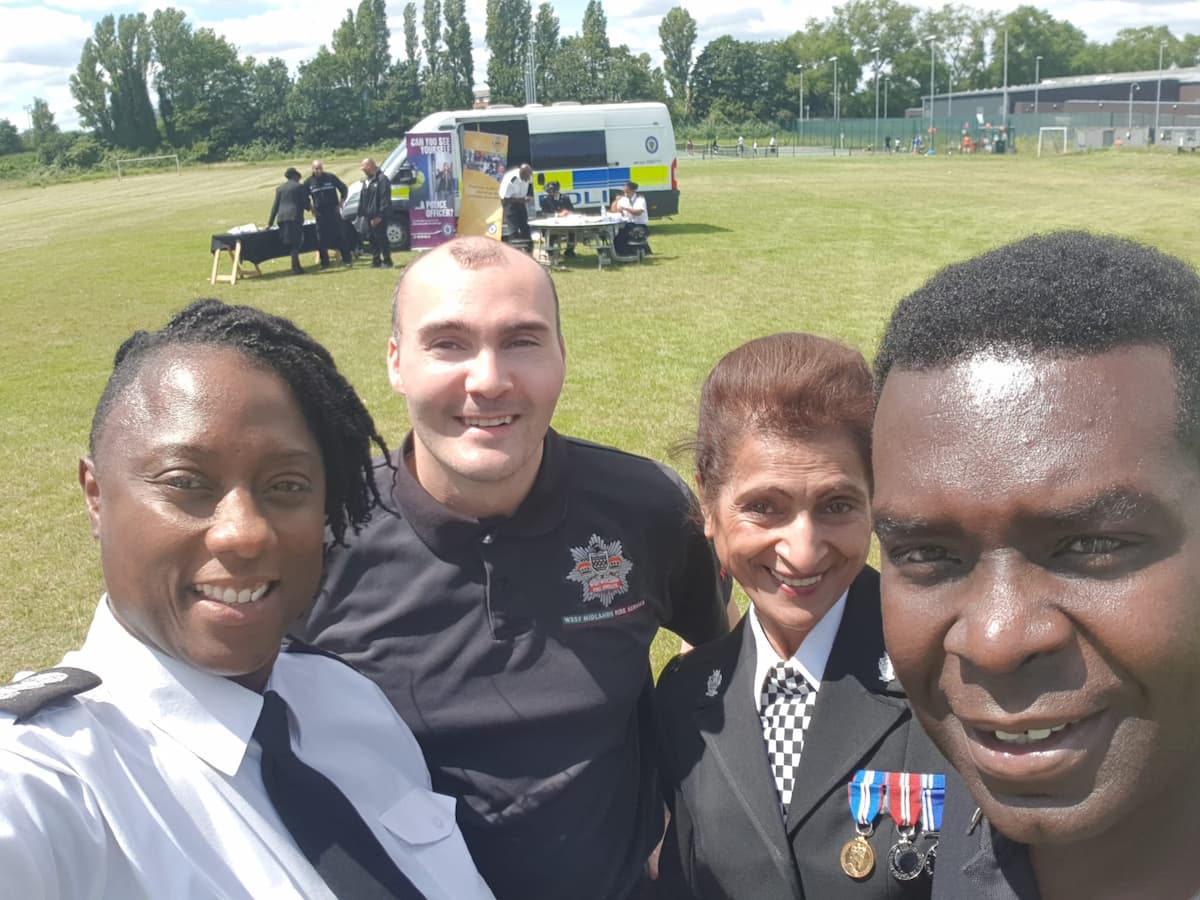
(485, 157)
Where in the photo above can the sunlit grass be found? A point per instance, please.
(821, 244)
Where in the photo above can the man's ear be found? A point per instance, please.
(393, 365)
(91, 492)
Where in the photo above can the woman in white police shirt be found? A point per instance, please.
(179, 753)
(791, 763)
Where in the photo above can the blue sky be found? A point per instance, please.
(40, 42)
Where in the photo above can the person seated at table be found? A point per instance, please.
(291, 201)
(761, 732)
(183, 752)
(556, 203)
(631, 207)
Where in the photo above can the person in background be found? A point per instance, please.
(327, 193)
(556, 203)
(291, 201)
(1037, 502)
(182, 751)
(375, 208)
(766, 734)
(506, 595)
(514, 194)
(631, 207)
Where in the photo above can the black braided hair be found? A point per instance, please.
(335, 415)
(1066, 293)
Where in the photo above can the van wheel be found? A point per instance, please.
(397, 233)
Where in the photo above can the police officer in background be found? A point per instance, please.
(328, 192)
(556, 203)
(514, 189)
(374, 206)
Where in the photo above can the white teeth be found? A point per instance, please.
(799, 582)
(488, 423)
(1028, 737)
(231, 597)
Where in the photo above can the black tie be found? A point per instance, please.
(324, 824)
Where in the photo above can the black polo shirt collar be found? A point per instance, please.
(543, 510)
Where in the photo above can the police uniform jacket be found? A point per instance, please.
(553, 205)
(976, 861)
(149, 786)
(727, 838)
(327, 192)
(517, 650)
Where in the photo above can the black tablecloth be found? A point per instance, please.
(258, 246)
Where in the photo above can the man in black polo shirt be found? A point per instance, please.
(507, 600)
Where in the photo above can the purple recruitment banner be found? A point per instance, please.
(431, 197)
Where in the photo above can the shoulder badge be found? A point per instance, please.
(713, 685)
(887, 673)
(34, 692)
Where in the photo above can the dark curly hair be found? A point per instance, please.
(1067, 293)
(335, 415)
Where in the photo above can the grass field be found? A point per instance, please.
(820, 244)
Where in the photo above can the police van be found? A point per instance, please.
(591, 150)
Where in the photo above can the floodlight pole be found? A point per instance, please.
(1004, 112)
(875, 145)
(932, 41)
(836, 116)
(1037, 74)
(800, 130)
(887, 83)
(1133, 87)
(1158, 93)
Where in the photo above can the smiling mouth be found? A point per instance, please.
(1032, 736)
(496, 422)
(797, 582)
(231, 597)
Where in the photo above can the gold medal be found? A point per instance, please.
(857, 858)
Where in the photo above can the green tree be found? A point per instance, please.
(270, 85)
(726, 80)
(322, 104)
(460, 69)
(1133, 50)
(110, 84)
(594, 45)
(435, 91)
(204, 90)
(1033, 32)
(48, 142)
(630, 78)
(677, 37)
(508, 35)
(545, 48)
(402, 100)
(10, 138)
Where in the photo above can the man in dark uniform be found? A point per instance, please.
(375, 206)
(1037, 501)
(506, 595)
(556, 203)
(328, 192)
(514, 191)
(291, 200)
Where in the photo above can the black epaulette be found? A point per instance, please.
(295, 645)
(37, 691)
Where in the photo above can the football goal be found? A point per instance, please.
(130, 163)
(1053, 138)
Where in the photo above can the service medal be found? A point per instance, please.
(865, 792)
(933, 798)
(905, 860)
(857, 858)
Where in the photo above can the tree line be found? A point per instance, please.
(149, 82)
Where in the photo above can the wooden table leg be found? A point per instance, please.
(237, 261)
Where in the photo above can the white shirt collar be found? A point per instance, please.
(811, 656)
(211, 715)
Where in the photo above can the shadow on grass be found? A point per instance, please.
(688, 228)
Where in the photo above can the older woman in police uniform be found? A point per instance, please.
(789, 757)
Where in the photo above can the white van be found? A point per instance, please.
(590, 150)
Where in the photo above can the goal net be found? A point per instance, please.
(1053, 139)
(168, 160)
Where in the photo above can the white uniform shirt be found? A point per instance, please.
(633, 210)
(150, 786)
(811, 656)
(512, 187)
